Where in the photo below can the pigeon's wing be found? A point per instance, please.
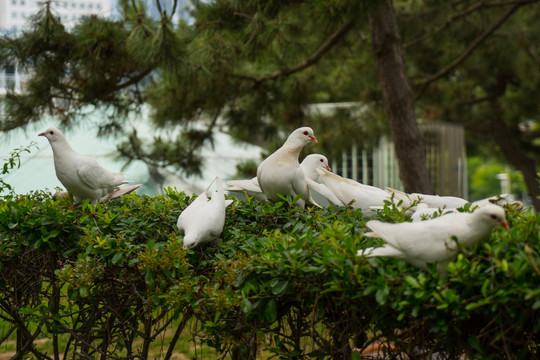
(449, 202)
(425, 240)
(332, 181)
(192, 211)
(95, 176)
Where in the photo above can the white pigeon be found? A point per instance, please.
(358, 195)
(203, 220)
(81, 175)
(433, 201)
(280, 173)
(308, 166)
(431, 241)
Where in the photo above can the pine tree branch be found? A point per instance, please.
(133, 79)
(469, 50)
(450, 20)
(311, 60)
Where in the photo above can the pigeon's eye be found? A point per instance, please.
(51, 132)
(321, 160)
(493, 216)
(306, 133)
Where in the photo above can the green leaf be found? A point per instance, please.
(279, 287)
(148, 277)
(246, 306)
(270, 310)
(117, 258)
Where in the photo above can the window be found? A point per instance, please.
(82, 5)
(99, 6)
(22, 3)
(13, 2)
(90, 6)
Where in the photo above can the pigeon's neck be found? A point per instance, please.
(292, 149)
(61, 147)
(310, 173)
(481, 230)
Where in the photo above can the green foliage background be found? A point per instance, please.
(283, 281)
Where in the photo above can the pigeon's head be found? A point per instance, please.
(316, 160)
(303, 136)
(52, 134)
(190, 240)
(493, 214)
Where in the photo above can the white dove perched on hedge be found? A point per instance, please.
(429, 241)
(349, 191)
(280, 173)
(203, 220)
(308, 166)
(433, 201)
(83, 176)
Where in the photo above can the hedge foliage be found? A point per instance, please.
(282, 282)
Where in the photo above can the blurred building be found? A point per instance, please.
(16, 14)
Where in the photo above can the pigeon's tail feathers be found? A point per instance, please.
(372, 234)
(228, 202)
(365, 252)
(219, 184)
(399, 195)
(121, 191)
(233, 188)
(251, 185)
(383, 251)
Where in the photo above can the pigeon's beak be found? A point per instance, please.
(504, 224)
(328, 168)
(314, 139)
(41, 134)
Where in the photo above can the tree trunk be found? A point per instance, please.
(398, 98)
(517, 157)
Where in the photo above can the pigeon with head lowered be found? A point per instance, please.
(310, 165)
(358, 195)
(432, 241)
(83, 176)
(280, 173)
(203, 220)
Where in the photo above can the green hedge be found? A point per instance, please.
(110, 281)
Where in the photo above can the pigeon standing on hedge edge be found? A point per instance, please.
(83, 176)
(280, 173)
(430, 241)
(203, 220)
